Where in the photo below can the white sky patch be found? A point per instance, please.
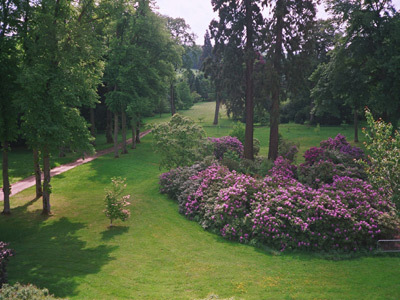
(198, 13)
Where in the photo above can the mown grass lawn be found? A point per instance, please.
(157, 253)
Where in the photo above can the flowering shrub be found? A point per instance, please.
(335, 157)
(116, 203)
(287, 149)
(347, 214)
(224, 144)
(29, 291)
(338, 146)
(383, 165)
(180, 142)
(5, 253)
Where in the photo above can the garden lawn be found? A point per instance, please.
(159, 254)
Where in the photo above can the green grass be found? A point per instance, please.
(157, 253)
(21, 159)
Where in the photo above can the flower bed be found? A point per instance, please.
(282, 212)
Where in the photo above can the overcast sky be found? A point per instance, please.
(199, 13)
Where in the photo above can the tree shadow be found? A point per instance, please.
(113, 231)
(49, 253)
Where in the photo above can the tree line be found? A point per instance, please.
(62, 58)
(273, 61)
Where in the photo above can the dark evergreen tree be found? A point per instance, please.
(238, 29)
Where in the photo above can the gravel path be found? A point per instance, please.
(30, 181)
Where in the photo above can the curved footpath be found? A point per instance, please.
(30, 181)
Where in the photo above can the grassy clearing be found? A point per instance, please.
(158, 254)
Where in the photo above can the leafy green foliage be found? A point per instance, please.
(383, 163)
(115, 202)
(180, 142)
(24, 292)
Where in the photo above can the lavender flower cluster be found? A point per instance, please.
(5, 253)
(282, 212)
(334, 157)
(226, 143)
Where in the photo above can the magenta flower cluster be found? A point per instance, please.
(334, 157)
(283, 213)
(226, 143)
(339, 143)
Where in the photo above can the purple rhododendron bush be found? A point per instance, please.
(338, 212)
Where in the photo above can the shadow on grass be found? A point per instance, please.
(113, 231)
(49, 252)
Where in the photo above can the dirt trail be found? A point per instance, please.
(30, 181)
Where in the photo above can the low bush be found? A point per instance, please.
(116, 203)
(226, 143)
(5, 253)
(24, 292)
(334, 157)
(281, 212)
(287, 149)
(383, 164)
(180, 142)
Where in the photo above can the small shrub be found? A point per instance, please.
(5, 253)
(116, 203)
(287, 149)
(24, 292)
(180, 142)
(238, 131)
(383, 164)
(224, 144)
(334, 157)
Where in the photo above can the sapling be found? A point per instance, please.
(116, 204)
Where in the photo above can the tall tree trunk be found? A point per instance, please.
(109, 133)
(93, 125)
(6, 181)
(172, 99)
(138, 132)
(46, 182)
(277, 60)
(217, 106)
(116, 154)
(38, 174)
(355, 126)
(123, 121)
(133, 137)
(248, 141)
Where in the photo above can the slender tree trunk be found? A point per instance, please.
(93, 125)
(116, 154)
(217, 106)
(6, 181)
(355, 126)
(38, 174)
(248, 141)
(46, 182)
(133, 137)
(123, 121)
(274, 121)
(109, 133)
(172, 99)
(138, 132)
